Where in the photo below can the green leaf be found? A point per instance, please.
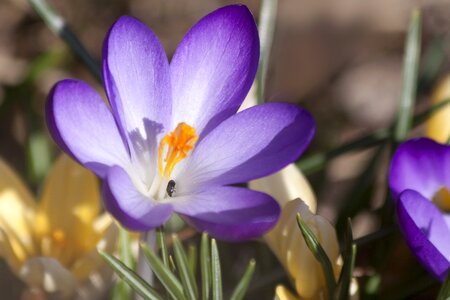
(205, 265)
(444, 293)
(38, 156)
(192, 258)
(349, 262)
(241, 288)
(410, 74)
(162, 245)
(320, 254)
(129, 276)
(216, 273)
(316, 162)
(187, 277)
(165, 276)
(121, 289)
(266, 28)
(58, 26)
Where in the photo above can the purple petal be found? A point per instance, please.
(213, 68)
(425, 231)
(229, 213)
(131, 208)
(82, 125)
(137, 80)
(421, 165)
(251, 144)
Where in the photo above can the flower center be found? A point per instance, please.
(442, 199)
(177, 144)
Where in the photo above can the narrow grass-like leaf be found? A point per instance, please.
(316, 162)
(320, 254)
(172, 265)
(349, 255)
(192, 258)
(241, 288)
(164, 274)
(266, 28)
(410, 74)
(216, 273)
(129, 276)
(205, 265)
(58, 26)
(444, 293)
(187, 278)
(121, 289)
(38, 150)
(162, 245)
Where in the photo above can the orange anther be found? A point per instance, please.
(179, 142)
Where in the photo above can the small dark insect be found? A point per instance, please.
(170, 188)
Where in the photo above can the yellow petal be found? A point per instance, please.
(288, 244)
(86, 265)
(285, 185)
(14, 258)
(69, 205)
(282, 293)
(438, 126)
(17, 209)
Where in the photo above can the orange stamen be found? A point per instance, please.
(179, 143)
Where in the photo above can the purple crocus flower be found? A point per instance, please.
(420, 181)
(172, 140)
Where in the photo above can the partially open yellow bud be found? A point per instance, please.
(438, 126)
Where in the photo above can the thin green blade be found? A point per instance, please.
(165, 276)
(241, 288)
(320, 254)
(410, 74)
(129, 276)
(205, 265)
(216, 273)
(187, 277)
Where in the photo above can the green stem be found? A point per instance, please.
(58, 26)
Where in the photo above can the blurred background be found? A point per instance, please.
(342, 60)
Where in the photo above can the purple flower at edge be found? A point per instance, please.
(173, 140)
(419, 179)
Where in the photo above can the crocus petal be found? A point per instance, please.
(131, 208)
(286, 185)
(425, 231)
(214, 67)
(229, 213)
(70, 203)
(253, 143)
(422, 165)
(438, 126)
(83, 126)
(137, 81)
(287, 243)
(17, 209)
(282, 293)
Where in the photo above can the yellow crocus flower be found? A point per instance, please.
(287, 242)
(438, 126)
(52, 244)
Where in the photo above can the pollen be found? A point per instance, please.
(178, 143)
(58, 236)
(442, 199)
